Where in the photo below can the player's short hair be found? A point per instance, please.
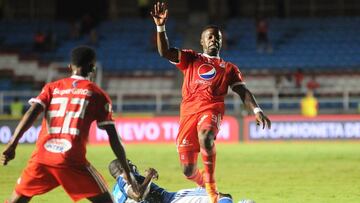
(115, 167)
(215, 27)
(226, 195)
(82, 56)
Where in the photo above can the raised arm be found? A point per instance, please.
(119, 152)
(249, 100)
(160, 15)
(25, 123)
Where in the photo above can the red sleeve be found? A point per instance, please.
(236, 77)
(186, 56)
(43, 98)
(104, 110)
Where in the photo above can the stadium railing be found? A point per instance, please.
(167, 101)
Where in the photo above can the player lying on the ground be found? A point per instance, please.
(152, 193)
(70, 105)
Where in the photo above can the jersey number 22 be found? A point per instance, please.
(68, 117)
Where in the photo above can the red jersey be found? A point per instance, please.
(206, 81)
(71, 105)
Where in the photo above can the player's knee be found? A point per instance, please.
(188, 170)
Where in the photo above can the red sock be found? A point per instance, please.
(197, 177)
(209, 159)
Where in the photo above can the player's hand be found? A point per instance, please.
(159, 13)
(8, 154)
(262, 120)
(152, 173)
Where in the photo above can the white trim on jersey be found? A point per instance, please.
(35, 100)
(213, 57)
(197, 195)
(78, 77)
(236, 84)
(100, 124)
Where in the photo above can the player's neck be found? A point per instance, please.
(211, 56)
(79, 77)
(77, 72)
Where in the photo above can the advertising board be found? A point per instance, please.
(132, 130)
(287, 127)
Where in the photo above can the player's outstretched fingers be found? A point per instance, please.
(155, 12)
(265, 121)
(158, 7)
(3, 160)
(268, 123)
(155, 175)
(163, 7)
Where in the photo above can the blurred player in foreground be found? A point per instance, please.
(152, 193)
(206, 81)
(70, 105)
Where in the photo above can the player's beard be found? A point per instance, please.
(213, 51)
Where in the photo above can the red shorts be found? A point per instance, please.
(187, 140)
(79, 182)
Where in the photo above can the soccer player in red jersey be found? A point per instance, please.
(70, 105)
(206, 81)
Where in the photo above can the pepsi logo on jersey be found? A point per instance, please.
(74, 84)
(206, 71)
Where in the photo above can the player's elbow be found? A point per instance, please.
(163, 53)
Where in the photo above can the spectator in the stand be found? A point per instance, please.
(144, 7)
(285, 84)
(299, 77)
(50, 40)
(309, 105)
(278, 81)
(39, 41)
(16, 108)
(262, 39)
(312, 84)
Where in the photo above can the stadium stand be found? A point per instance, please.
(126, 44)
(307, 43)
(131, 65)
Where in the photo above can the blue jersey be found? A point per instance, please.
(119, 191)
(160, 195)
(156, 193)
(196, 195)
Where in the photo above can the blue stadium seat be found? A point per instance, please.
(126, 44)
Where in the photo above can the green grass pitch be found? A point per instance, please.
(267, 172)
